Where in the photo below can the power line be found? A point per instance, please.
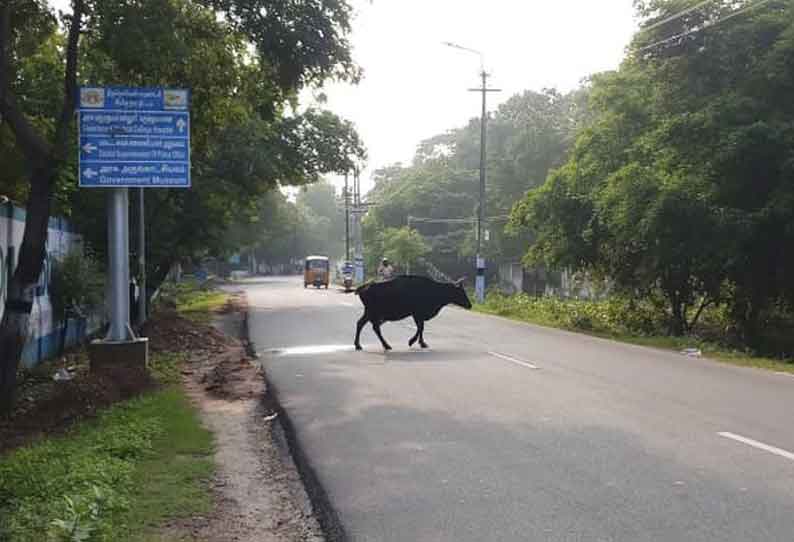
(675, 16)
(455, 220)
(705, 25)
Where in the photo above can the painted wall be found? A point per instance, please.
(45, 336)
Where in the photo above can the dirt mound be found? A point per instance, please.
(170, 332)
(46, 407)
(234, 379)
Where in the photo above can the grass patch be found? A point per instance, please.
(193, 300)
(165, 367)
(618, 320)
(114, 478)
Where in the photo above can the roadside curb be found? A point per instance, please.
(318, 497)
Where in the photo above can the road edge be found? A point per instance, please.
(326, 514)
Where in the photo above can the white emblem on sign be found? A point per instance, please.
(175, 99)
(92, 97)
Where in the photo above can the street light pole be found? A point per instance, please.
(480, 280)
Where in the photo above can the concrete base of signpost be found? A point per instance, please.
(107, 356)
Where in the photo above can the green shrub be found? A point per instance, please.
(77, 285)
(614, 315)
(72, 487)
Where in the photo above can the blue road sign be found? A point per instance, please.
(134, 137)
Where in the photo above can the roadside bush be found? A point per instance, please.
(77, 285)
(614, 315)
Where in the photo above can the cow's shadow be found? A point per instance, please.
(415, 355)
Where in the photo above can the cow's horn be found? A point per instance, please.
(460, 281)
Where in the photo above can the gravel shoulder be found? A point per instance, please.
(257, 491)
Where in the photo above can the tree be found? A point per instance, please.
(403, 246)
(679, 185)
(528, 135)
(45, 152)
(245, 60)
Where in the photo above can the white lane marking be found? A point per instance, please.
(514, 360)
(759, 445)
(781, 373)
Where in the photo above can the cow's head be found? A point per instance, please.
(459, 296)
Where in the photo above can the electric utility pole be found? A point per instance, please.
(347, 220)
(480, 281)
(358, 255)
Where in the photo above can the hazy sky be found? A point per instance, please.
(414, 87)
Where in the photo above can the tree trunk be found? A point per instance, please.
(678, 313)
(678, 325)
(22, 288)
(13, 334)
(44, 159)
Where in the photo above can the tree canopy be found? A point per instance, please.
(528, 134)
(680, 185)
(245, 62)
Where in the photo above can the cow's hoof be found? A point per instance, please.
(424, 345)
(411, 342)
(386, 347)
(358, 347)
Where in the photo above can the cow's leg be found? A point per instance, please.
(359, 326)
(416, 335)
(420, 331)
(376, 327)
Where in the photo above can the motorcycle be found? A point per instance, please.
(347, 281)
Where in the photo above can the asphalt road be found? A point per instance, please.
(508, 432)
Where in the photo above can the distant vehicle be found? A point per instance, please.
(347, 275)
(316, 271)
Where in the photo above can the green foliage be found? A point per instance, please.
(529, 134)
(106, 480)
(165, 367)
(37, 480)
(632, 321)
(248, 135)
(679, 184)
(77, 285)
(192, 299)
(82, 518)
(403, 246)
(613, 315)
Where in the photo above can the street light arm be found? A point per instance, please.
(468, 50)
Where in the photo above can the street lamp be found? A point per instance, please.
(480, 281)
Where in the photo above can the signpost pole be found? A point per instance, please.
(130, 137)
(118, 252)
(141, 258)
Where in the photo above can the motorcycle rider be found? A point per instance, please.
(385, 270)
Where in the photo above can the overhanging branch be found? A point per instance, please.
(69, 78)
(33, 146)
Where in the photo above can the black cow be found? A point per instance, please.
(404, 296)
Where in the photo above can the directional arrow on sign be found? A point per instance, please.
(90, 173)
(88, 148)
(181, 125)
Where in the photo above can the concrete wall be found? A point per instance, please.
(45, 336)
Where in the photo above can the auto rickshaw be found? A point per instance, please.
(316, 271)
